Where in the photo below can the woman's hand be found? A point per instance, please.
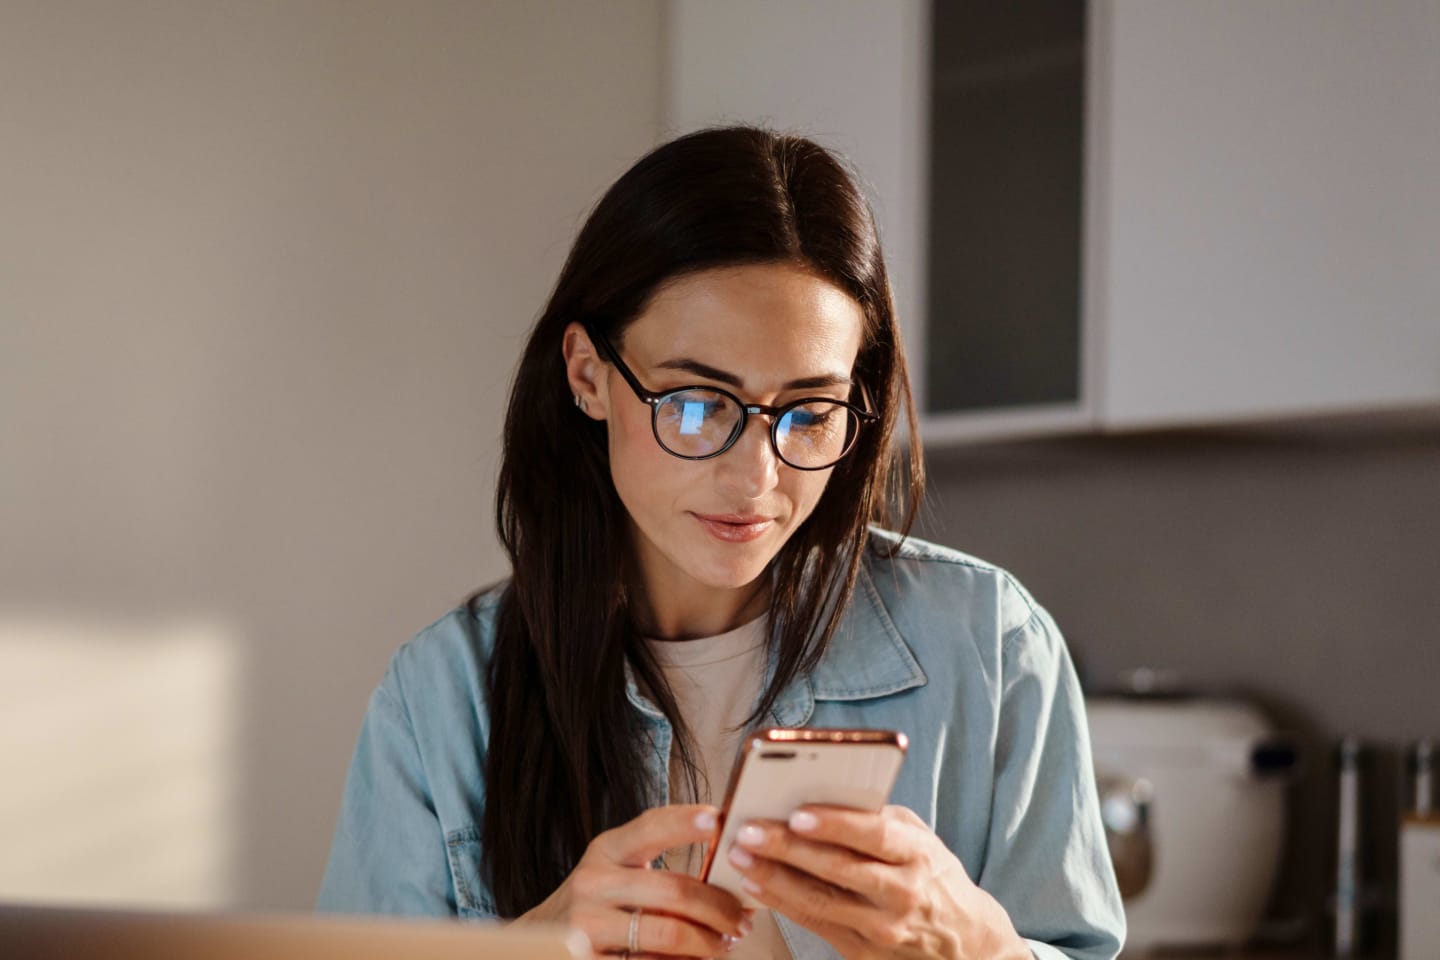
(678, 915)
(873, 885)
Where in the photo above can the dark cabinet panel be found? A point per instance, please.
(1006, 141)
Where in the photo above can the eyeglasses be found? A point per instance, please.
(700, 422)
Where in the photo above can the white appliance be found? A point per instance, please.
(1193, 795)
(1419, 887)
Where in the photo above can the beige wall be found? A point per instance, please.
(264, 271)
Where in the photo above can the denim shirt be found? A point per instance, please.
(935, 643)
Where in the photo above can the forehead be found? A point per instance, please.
(759, 320)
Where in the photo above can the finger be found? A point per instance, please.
(894, 835)
(639, 842)
(906, 814)
(838, 915)
(670, 893)
(839, 866)
(656, 934)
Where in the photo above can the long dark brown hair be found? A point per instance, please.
(566, 759)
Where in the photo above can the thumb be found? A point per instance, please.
(637, 843)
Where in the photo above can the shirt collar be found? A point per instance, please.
(867, 658)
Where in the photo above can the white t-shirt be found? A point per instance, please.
(715, 682)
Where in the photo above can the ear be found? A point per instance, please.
(587, 374)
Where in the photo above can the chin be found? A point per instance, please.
(731, 566)
(720, 566)
(731, 576)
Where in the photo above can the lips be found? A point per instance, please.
(735, 527)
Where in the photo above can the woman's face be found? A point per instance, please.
(769, 334)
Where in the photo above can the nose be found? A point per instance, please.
(750, 467)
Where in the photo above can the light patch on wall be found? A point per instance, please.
(118, 763)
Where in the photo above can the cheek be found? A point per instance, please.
(640, 469)
(805, 490)
(626, 431)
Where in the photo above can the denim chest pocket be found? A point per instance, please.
(472, 894)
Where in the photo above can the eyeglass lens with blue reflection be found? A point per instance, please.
(700, 422)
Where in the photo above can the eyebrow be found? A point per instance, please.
(714, 373)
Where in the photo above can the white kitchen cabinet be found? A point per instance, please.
(1261, 192)
(1266, 224)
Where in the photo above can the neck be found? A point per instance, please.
(690, 615)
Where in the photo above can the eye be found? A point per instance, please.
(803, 419)
(813, 416)
(695, 415)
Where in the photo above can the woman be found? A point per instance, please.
(698, 440)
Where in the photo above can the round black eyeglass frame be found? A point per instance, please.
(653, 400)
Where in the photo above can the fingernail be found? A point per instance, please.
(741, 858)
(731, 943)
(750, 835)
(803, 820)
(751, 887)
(705, 821)
(745, 927)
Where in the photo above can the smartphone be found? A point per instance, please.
(779, 771)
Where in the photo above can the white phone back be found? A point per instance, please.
(858, 775)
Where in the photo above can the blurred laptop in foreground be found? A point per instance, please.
(28, 932)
